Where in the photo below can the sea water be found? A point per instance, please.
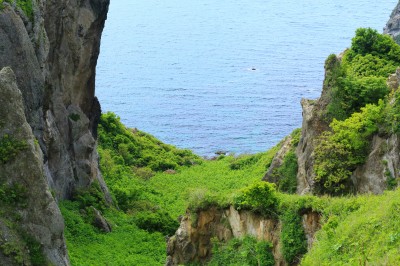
(222, 75)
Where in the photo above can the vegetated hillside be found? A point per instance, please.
(351, 137)
(151, 183)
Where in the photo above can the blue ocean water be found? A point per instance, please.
(222, 75)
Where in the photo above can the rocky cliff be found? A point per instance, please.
(393, 25)
(50, 49)
(192, 241)
(382, 162)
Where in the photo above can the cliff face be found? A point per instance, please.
(27, 206)
(382, 162)
(53, 55)
(52, 50)
(192, 241)
(393, 25)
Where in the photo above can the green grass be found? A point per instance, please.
(354, 229)
(148, 199)
(359, 231)
(212, 178)
(125, 245)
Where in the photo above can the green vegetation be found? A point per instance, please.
(10, 147)
(125, 245)
(339, 152)
(25, 5)
(15, 242)
(358, 231)
(13, 194)
(259, 197)
(360, 105)
(286, 174)
(360, 77)
(153, 183)
(243, 252)
(149, 196)
(138, 150)
(74, 117)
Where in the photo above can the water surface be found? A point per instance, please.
(222, 75)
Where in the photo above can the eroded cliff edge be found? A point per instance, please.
(49, 51)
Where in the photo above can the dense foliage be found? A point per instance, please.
(286, 174)
(360, 77)
(25, 5)
(138, 150)
(242, 252)
(259, 197)
(340, 151)
(150, 198)
(360, 105)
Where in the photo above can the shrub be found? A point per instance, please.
(339, 152)
(293, 239)
(260, 197)
(138, 149)
(91, 196)
(287, 173)
(245, 251)
(392, 113)
(369, 41)
(25, 5)
(10, 147)
(13, 194)
(156, 221)
(360, 78)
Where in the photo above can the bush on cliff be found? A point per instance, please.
(245, 252)
(339, 152)
(360, 77)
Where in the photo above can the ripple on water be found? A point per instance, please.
(222, 75)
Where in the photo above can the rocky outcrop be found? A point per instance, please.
(382, 164)
(53, 52)
(314, 123)
(192, 241)
(381, 169)
(54, 55)
(22, 180)
(393, 25)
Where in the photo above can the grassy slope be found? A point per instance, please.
(139, 195)
(213, 178)
(355, 229)
(361, 230)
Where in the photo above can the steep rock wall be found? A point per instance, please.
(314, 123)
(31, 209)
(192, 241)
(49, 57)
(393, 25)
(54, 56)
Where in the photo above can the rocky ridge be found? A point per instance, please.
(48, 56)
